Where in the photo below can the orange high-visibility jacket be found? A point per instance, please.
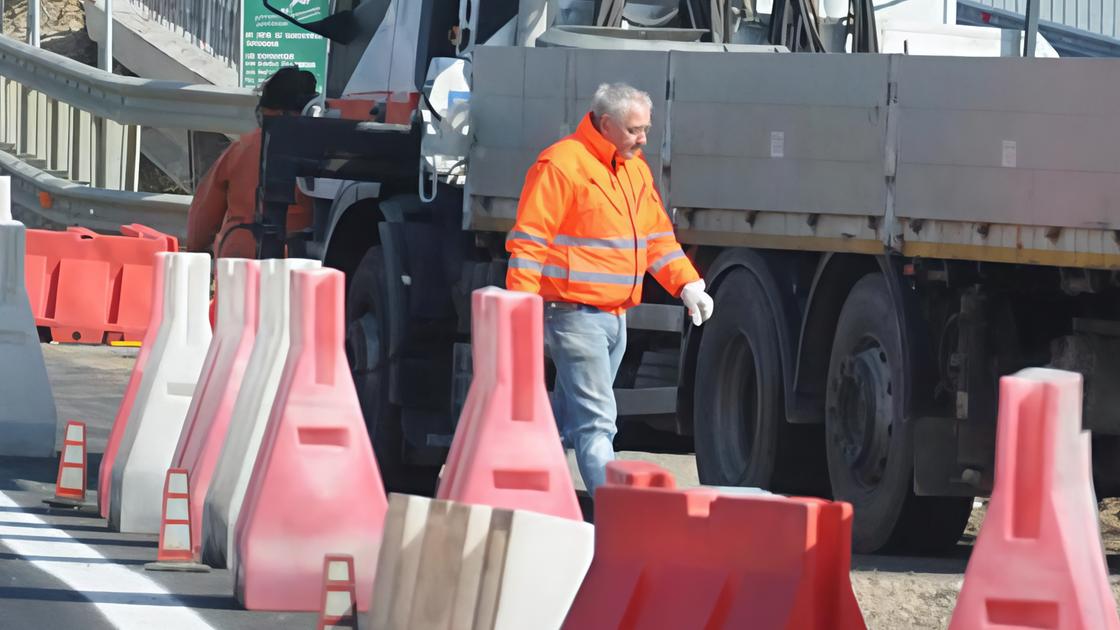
(589, 225)
(227, 196)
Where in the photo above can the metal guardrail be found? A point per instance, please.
(1075, 28)
(65, 202)
(1096, 17)
(128, 100)
(213, 25)
(70, 136)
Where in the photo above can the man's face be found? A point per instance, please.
(628, 135)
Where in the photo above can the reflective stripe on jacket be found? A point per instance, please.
(590, 224)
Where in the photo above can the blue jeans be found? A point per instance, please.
(586, 345)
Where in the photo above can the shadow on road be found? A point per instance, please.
(209, 602)
(92, 542)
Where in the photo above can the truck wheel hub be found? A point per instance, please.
(864, 412)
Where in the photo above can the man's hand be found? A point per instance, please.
(698, 302)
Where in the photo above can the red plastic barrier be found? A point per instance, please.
(699, 559)
(91, 288)
(315, 488)
(506, 451)
(1038, 561)
(116, 434)
(639, 474)
(207, 422)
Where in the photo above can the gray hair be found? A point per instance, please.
(616, 100)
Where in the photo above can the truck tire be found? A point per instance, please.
(367, 348)
(867, 438)
(741, 434)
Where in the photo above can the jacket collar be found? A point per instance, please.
(599, 146)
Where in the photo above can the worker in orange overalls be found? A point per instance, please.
(226, 198)
(590, 223)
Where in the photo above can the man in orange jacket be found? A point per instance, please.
(225, 201)
(589, 225)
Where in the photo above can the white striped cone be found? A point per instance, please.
(339, 594)
(71, 482)
(174, 553)
(175, 530)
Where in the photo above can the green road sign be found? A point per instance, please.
(269, 42)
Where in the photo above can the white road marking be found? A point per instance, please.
(97, 577)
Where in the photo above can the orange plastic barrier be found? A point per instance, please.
(1038, 561)
(116, 434)
(506, 451)
(702, 560)
(91, 288)
(315, 488)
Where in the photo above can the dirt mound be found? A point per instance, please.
(62, 28)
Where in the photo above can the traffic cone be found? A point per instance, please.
(70, 486)
(340, 599)
(174, 552)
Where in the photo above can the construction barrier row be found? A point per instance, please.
(272, 475)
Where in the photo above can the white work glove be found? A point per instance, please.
(698, 302)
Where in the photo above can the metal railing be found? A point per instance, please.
(70, 136)
(1098, 17)
(212, 25)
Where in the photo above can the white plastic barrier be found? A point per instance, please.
(546, 560)
(445, 564)
(207, 424)
(27, 413)
(250, 412)
(236, 282)
(164, 396)
(5, 198)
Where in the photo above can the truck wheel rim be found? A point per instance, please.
(863, 412)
